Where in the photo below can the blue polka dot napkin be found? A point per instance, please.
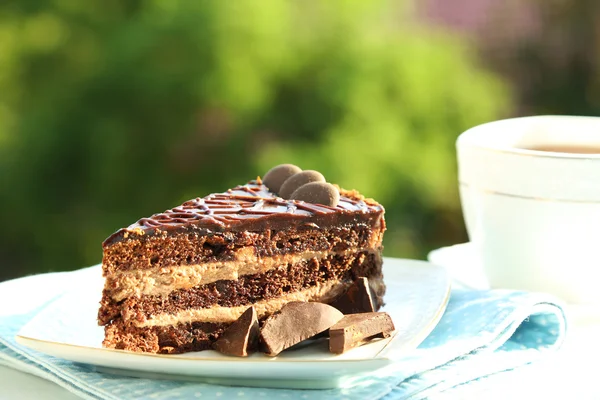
(481, 333)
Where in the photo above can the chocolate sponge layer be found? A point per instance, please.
(192, 247)
(180, 338)
(248, 289)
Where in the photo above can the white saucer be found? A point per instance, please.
(462, 265)
(466, 271)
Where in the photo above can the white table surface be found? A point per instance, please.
(571, 373)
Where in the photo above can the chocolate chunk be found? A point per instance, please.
(241, 337)
(317, 193)
(275, 177)
(356, 329)
(297, 180)
(357, 299)
(296, 322)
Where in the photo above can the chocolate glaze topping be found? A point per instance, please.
(251, 207)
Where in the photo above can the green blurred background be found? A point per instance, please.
(110, 110)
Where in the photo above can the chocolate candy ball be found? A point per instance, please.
(318, 193)
(275, 177)
(300, 179)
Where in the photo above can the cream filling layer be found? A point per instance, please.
(162, 281)
(324, 292)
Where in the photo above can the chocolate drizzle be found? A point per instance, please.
(247, 207)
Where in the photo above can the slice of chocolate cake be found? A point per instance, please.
(177, 280)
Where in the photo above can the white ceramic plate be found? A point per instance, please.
(417, 295)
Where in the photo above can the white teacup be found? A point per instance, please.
(533, 216)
